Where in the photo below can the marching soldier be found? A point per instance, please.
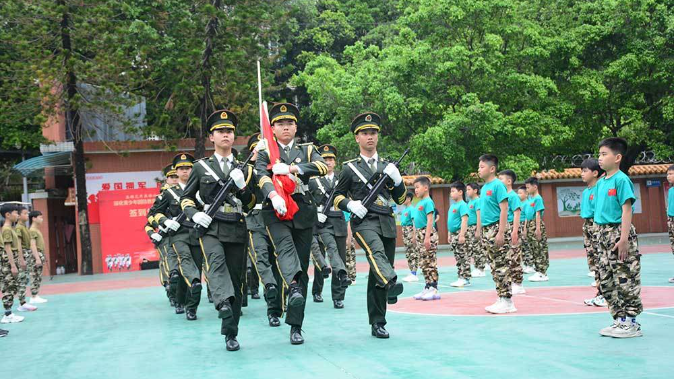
(331, 230)
(184, 240)
(291, 238)
(169, 273)
(260, 249)
(224, 244)
(373, 228)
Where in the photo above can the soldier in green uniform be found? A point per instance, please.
(260, 249)
(291, 238)
(224, 244)
(170, 283)
(331, 230)
(374, 229)
(184, 242)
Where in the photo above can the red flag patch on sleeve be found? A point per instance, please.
(612, 192)
(489, 193)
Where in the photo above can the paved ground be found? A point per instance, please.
(120, 326)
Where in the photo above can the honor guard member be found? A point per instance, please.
(291, 238)
(152, 229)
(184, 242)
(164, 211)
(260, 249)
(331, 229)
(374, 229)
(224, 244)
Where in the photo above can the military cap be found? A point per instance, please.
(367, 120)
(253, 140)
(283, 111)
(183, 160)
(221, 119)
(328, 151)
(169, 171)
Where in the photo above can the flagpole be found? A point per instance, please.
(259, 96)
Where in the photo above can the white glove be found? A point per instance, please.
(357, 208)
(156, 237)
(237, 177)
(322, 218)
(392, 171)
(162, 228)
(278, 203)
(202, 219)
(172, 224)
(281, 169)
(319, 209)
(262, 145)
(206, 206)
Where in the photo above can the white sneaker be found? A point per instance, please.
(11, 319)
(510, 306)
(353, 282)
(487, 268)
(499, 307)
(411, 278)
(599, 301)
(538, 277)
(608, 331)
(37, 300)
(528, 270)
(518, 289)
(590, 274)
(431, 294)
(671, 280)
(589, 302)
(420, 294)
(461, 282)
(477, 273)
(627, 329)
(593, 284)
(26, 308)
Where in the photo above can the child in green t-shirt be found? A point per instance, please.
(427, 238)
(473, 238)
(527, 254)
(495, 233)
(537, 236)
(619, 258)
(590, 173)
(411, 248)
(457, 227)
(508, 177)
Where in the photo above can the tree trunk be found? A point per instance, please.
(206, 106)
(74, 122)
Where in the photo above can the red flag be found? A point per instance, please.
(283, 184)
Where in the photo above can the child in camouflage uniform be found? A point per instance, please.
(473, 239)
(508, 177)
(411, 248)
(538, 237)
(457, 228)
(28, 256)
(590, 173)
(619, 259)
(37, 241)
(527, 255)
(670, 208)
(13, 263)
(427, 238)
(495, 232)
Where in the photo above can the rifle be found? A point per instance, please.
(328, 204)
(376, 189)
(221, 196)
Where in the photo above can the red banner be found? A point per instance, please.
(123, 215)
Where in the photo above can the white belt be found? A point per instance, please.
(258, 206)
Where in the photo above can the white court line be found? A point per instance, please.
(658, 314)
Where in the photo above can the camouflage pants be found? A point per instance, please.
(498, 258)
(620, 282)
(9, 285)
(515, 257)
(428, 258)
(461, 255)
(34, 276)
(351, 260)
(525, 246)
(670, 228)
(474, 248)
(411, 249)
(539, 249)
(590, 243)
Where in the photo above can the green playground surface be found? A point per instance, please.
(133, 333)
